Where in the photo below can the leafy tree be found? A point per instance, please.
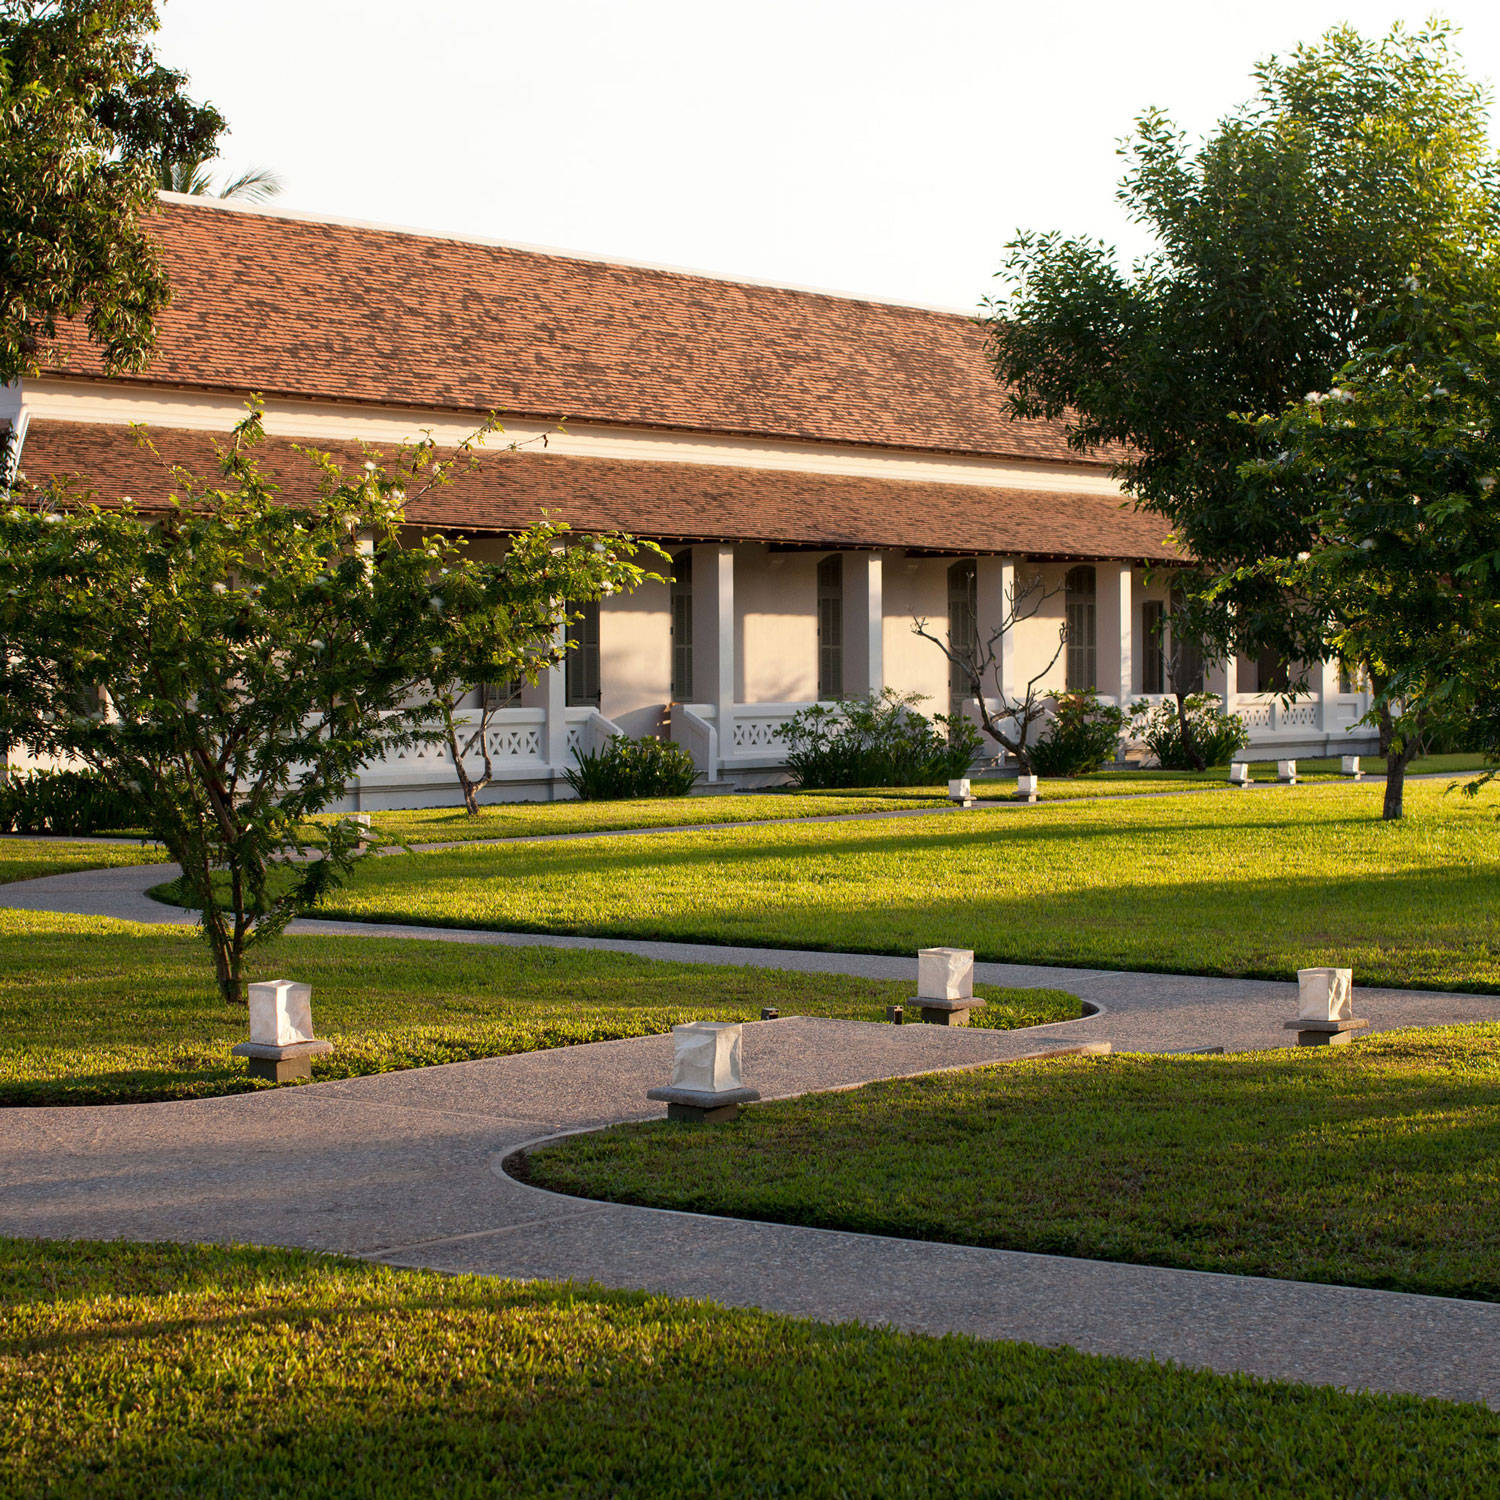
(233, 662)
(86, 116)
(505, 622)
(1281, 240)
(1008, 712)
(1396, 465)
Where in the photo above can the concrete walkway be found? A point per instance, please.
(406, 1168)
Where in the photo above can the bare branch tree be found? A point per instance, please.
(1006, 714)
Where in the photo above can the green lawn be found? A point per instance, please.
(29, 859)
(93, 1011)
(152, 1370)
(1372, 1165)
(1253, 884)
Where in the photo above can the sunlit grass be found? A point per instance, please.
(142, 1371)
(1239, 883)
(94, 1011)
(1372, 1165)
(30, 859)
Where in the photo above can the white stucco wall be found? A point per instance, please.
(635, 659)
(776, 620)
(916, 587)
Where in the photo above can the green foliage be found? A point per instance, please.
(506, 621)
(65, 802)
(1190, 735)
(145, 1371)
(86, 115)
(1083, 735)
(624, 768)
(878, 741)
(1205, 1163)
(102, 1012)
(1397, 466)
(252, 654)
(1282, 239)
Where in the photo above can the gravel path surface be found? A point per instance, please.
(406, 1168)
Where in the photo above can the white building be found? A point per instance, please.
(823, 470)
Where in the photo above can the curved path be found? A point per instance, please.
(406, 1168)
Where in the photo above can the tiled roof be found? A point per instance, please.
(670, 501)
(286, 306)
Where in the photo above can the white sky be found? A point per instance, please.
(870, 146)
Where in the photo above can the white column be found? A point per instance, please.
(1324, 681)
(554, 695)
(864, 623)
(1116, 632)
(1222, 677)
(713, 637)
(995, 585)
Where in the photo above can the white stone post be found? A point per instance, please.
(713, 639)
(864, 623)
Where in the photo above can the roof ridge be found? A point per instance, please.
(306, 216)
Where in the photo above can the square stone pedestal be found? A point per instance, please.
(280, 1064)
(945, 1012)
(703, 1106)
(1326, 1033)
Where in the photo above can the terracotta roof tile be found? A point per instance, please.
(337, 312)
(670, 501)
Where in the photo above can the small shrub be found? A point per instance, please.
(65, 802)
(876, 741)
(1083, 736)
(647, 767)
(1214, 734)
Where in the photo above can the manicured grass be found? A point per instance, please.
(93, 1011)
(1372, 1165)
(1244, 883)
(30, 859)
(423, 825)
(152, 1370)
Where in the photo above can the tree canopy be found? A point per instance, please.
(233, 660)
(1397, 468)
(87, 115)
(1281, 240)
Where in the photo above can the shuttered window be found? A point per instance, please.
(682, 627)
(1153, 646)
(963, 628)
(1082, 605)
(583, 659)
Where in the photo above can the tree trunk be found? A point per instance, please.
(465, 785)
(1190, 752)
(1395, 785)
(1397, 747)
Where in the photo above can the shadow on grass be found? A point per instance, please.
(387, 1384)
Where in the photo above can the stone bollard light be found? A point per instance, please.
(282, 1045)
(945, 986)
(1026, 787)
(706, 1086)
(1286, 770)
(1239, 773)
(1325, 1008)
(1349, 765)
(960, 792)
